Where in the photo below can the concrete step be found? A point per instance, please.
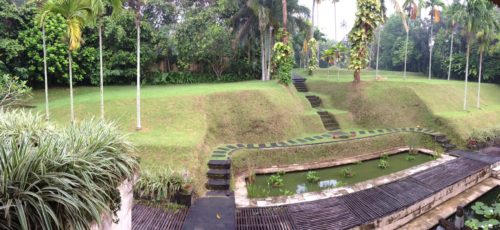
(218, 184)
(443, 140)
(449, 146)
(219, 173)
(219, 164)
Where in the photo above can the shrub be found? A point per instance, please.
(312, 177)
(275, 180)
(383, 164)
(60, 179)
(283, 62)
(410, 157)
(191, 78)
(160, 186)
(484, 137)
(347, 172)
(12, 90)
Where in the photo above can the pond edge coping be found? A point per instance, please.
(241, 193)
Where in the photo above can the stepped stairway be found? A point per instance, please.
(329, 121)
(219, 175)
(300, 84)
(444, 141)
(314, 100)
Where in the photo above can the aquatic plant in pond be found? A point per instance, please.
(275, 180)
(332, 177)
(383, 164)
(347, 172)
(312, 177)
(410, 157)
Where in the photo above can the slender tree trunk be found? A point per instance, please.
(269, 53)
(451, 52)
(72, 111)
(338, 73)
(317, 23)
(285, 17)
(335, 19)
(263, 54)
(430, 48)
(45, 78)
(466, 72)
(101, 72)
(406, 54)
(138, 27)
(357, 76)
(478, 105)
(378, 51)
(312, 18)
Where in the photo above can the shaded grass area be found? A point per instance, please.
(395, 102)
(263, 158)
(181, 124)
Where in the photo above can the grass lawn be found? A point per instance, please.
(395, 102)
(182, 124)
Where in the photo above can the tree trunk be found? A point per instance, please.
(378, 51)
(269, 53)
(357, 76)
(451, 52)
(263, 55)
(285, 17)
(335, 19)
(138, 27)
(45, 78)
(478, 105)
(317, 23)
(406, 54)
(72, 111)
(312, 18)
(430, 47)
(101, 73)
(466, 71)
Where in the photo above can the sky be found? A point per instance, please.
(346, 10)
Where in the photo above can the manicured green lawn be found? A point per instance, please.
(183, 123)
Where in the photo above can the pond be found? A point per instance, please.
(296, 182)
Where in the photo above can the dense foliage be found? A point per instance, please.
(60, 178)
(12, 90)
(368, 17)
(283, 62)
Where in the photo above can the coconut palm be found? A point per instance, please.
(285, 15)
(399, 10)
(39, 4)
(484, 37)
(455, 6)
(98, 7)
(77, 14)
(335, 16)
(471, 16)
(435, 18)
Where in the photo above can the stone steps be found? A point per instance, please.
(329, 121)
(219, 174)
(315, 101)
(301, 86)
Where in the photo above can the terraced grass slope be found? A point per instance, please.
(181, 124)
(395, 102)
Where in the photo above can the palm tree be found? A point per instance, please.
(433, 4)
(471, 15)
(335, 16)
(399, 10)
(455, 6)
(285, 15)
(39, 4)
(484, 37)
(77, 14)
(98, 7)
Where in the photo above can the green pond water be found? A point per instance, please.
(296, 182)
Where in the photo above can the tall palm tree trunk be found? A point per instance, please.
(138, 25)
(451, 52)
(406, 54)
(72, 111)
(101, 74)
(285, 17)
(466, 72)
(335, 19)
(430, 48)
(378, 51)
(479, 80)
(263, 54)
(269, 50)
(45, 79)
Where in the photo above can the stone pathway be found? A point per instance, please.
(211, 213)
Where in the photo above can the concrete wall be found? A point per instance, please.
(124, 214)
(399, 218)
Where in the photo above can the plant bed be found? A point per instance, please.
(296, 182)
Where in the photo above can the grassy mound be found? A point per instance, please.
(182, 124)
(394, 102)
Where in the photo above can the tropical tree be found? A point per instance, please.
(484, 36)
(284, 26)
(368, 17)
(334, 55)
(471, 15)
(435, 18)
(413, 9)
(98, 8)
(335, 17)
(77, 14)
(455, 6)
